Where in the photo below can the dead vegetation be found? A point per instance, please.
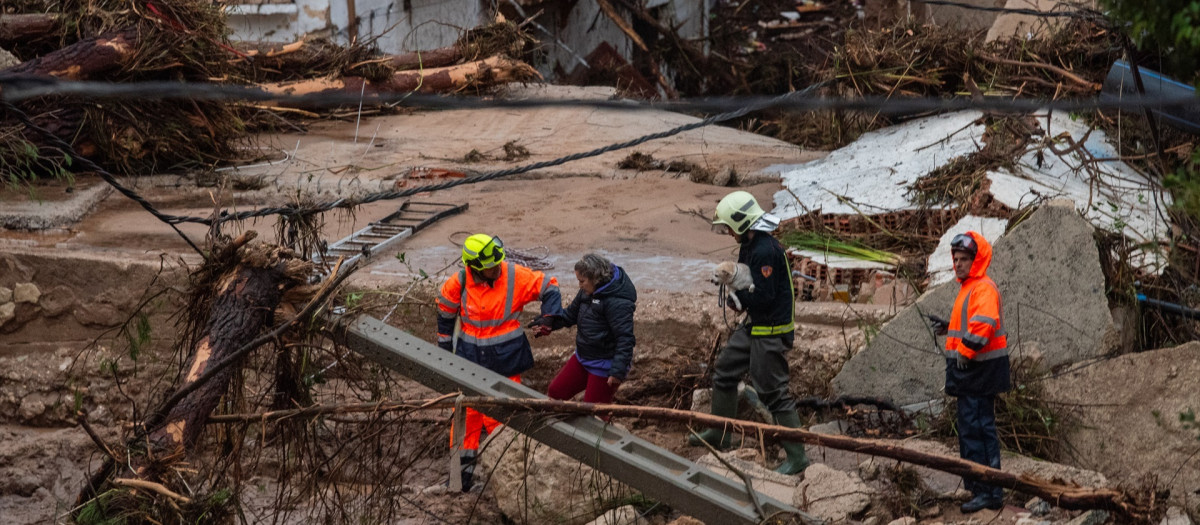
(187, 41)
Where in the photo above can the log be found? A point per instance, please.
(18, 28)
(481, 73)
(440, 57)
(1061, 495)
(84, 59)
(246, 299)
(300, 57)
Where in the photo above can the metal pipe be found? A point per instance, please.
(1171, 308)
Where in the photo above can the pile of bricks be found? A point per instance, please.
(815, 281)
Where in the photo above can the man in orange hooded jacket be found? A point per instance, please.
(977, 366)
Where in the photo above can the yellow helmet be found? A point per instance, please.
(482, 251)
(738, 211)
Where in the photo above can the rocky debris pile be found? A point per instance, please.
(536, 484)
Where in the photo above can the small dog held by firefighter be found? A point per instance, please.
(733, 276)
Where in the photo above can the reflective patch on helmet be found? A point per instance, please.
(766, 271)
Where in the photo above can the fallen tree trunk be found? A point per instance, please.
(426, 59)
(479, 74)
(1065, 496)
(83, 59)
(247, 297)
(22, 27)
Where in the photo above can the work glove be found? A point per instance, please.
(541, 326)
(960, 360)
(940, 326)
(446, 345)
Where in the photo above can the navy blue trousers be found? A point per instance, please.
(978, 441)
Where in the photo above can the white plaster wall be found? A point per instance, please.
(426, 24)
(279, 22)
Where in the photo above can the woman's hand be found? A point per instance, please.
(614, 381)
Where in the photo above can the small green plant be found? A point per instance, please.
(828, 244)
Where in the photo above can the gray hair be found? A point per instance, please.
(595, 268)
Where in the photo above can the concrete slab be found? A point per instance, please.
(1048, 272)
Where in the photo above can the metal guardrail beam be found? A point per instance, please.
(638, 463)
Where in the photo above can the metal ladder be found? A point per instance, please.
(636, 462)
(386, 232)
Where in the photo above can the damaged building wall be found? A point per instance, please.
(583, 32)
(398, 25)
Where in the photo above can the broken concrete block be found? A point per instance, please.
(5, 295)
(1132, 405)
(1038, 506)
(627, 515)
(907, 520)
(7, 312)
(26, 293)
(7, 59)
(1176, 516)
(1048, 272)
(764, 480)
(832, 494)
(554, 488)
(1091, 517)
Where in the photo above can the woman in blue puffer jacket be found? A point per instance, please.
(602, 311)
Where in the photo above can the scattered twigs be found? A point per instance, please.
(1048, 67)
(151, 486)
(1065, 496)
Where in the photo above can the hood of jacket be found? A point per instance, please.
(619, 286)
(983, 257)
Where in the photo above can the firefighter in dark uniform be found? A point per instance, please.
(759, 345)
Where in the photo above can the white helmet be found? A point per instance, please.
(738, 211)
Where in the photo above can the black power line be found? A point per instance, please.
(19, 88)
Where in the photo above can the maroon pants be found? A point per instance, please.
(574, 378)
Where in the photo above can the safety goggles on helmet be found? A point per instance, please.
(481, 252)
(963, 243)
(737, 211)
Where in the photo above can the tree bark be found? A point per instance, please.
(440, 57)
(21, 27)
(84, 59)
(482, 73)
(247, 297)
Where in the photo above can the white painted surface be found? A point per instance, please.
(874, 174)
(875, 171)
(941, 269)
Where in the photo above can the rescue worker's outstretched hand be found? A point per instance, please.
(961, 360)
(541, 326)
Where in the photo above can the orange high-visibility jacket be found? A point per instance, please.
(977, 322)
(491, 333)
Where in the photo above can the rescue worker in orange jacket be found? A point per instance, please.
(478, 320)
(977, 365)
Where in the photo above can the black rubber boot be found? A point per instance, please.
(797, 458)
(724, 403)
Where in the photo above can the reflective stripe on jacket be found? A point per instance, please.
(977, 322)
(977, 331)
(771, 306)
(492, 335)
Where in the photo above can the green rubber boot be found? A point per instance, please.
(725, 404)
(797, 459)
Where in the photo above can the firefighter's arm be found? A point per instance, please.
(448, 309)
(764, 293)
(983, 318)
